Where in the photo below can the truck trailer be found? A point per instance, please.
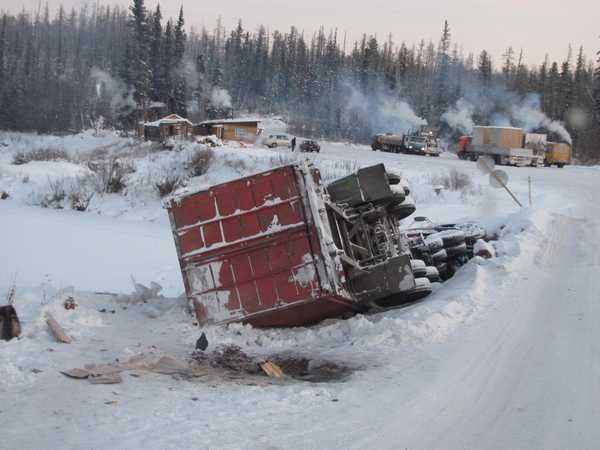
(281, 249)
(504, 144)
(415, 143)
(557, 153)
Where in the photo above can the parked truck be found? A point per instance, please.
(504, 144)
(411, 143)
(282, 249)
(557, 153)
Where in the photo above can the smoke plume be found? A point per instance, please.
(529, 115)
(460, 116)
(500, 107)
(120, 96)
(220, 98)
(382, 111)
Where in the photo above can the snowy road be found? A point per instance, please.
(506, 355)
(527, 373)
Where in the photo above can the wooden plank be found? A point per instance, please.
(57, 330)
(272, 369)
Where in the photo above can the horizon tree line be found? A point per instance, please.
(106, 63)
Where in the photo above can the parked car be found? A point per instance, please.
(310, 146)
(277, 140)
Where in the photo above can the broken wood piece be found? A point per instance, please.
(78, 374)
(272, 369)
(102, 369)
(105, 378)
(168, 365)
(57, 330)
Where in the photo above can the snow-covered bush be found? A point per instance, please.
(169, 183)
(55, 195)
(453, 181)
(238, 165)
(41, 154)
(81, 191)
(111, 173)
(200, 161)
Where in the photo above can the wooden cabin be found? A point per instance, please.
(171, 126)
(242, 130)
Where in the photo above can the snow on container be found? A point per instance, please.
(257, 250)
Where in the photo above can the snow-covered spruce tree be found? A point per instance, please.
(139, 73)
(596, 90)
(179, 82)
(155, 42)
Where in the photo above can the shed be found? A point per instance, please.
(243, 130)
(171, 126)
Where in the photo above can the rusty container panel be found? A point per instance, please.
(249, 251)
(501, 137)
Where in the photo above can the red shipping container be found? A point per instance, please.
(257, 250)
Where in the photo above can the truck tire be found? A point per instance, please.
(433, 275)
(434, 244)
(393, 178)
(418, 268)
(422, 289)
(439, 257)
(459, 249)
(402, 210)
(560, 165)
(473, 157)
(449, 237)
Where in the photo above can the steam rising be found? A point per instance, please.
(460, 117)
(220, 98)
(121, 97)
(382, 111)
(530, 116)
(500, 107)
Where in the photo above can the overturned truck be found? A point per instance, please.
(281, 249)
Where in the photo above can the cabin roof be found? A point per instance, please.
(168, 120)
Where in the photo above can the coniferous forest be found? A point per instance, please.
(102, 65)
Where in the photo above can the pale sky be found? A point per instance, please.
(537, 26)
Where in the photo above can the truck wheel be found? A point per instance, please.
(450, 237)
(434, 244)
(455, 250)
(560, 165)
(402, 210)
(439, 257)
(422, 289)
(419, 268)
(474, 157)
(433, 274)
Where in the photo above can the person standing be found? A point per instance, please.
(294, 143)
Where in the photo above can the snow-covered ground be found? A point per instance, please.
(504, 355)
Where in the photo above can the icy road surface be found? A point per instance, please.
(504, 356)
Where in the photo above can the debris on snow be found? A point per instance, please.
(483, 249)
(58, 332)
